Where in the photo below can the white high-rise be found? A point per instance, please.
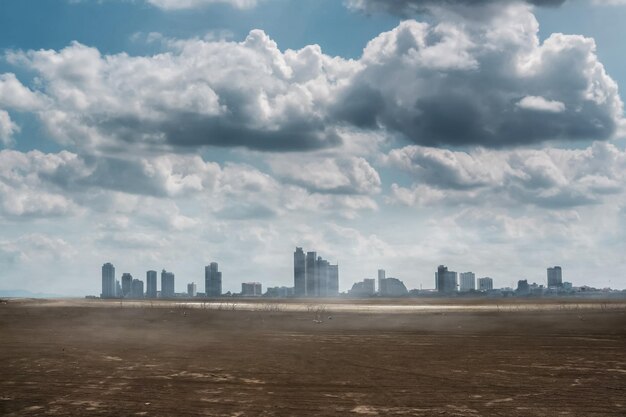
(467, 281)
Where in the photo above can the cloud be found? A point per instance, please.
(22, 193)
(7, 128)
(469, 83)
(548, 178)
(14, 95)
(536, 103)
(411, 7)
(200, 92)
(453, 82)
(335, 175)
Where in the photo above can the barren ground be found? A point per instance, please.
(60, 358)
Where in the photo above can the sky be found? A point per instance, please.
(167, 134)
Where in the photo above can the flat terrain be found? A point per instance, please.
(93, 358)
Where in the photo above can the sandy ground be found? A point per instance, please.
(81, 358)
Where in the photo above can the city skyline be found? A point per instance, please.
(487, 136)
(315, 277)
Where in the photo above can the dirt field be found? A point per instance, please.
(59, 359)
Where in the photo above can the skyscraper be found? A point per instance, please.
(314, 276)
(108, 281)
(191, 289)
(381, 281)
(167, 284)
(136, 289)
(333, 280)
(312, 287)
(485, 284)
(555, 277)
(127, 282)
(151, 284)
(445, 281)
(467, 281)
(299, 272)
(212, 280)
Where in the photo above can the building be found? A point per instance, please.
(212, 280)
(151, 284)
(555, 277)
(523, 288)
(365, 288)
(279, 292)
(314, 276)
(393, 287)
(136, 289)
(118, 289)
(191, 289)
(445, 281)
(381, 279)
(167, 284)
(311, 275)
(251, 289)
(467, 281)
(485, 284)
(299, 273)
(127, 283)
(108, 281)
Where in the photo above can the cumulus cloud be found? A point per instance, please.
(541, 104)
(198, 93)
(22, 193)
(338, 175)
(452, 82)
(7, 128)
(492, 84)
(14, 95)
(552, 178)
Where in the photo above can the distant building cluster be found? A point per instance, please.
(314, 276)
(134, 288)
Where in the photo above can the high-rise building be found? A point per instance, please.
(445, 281)
(322, 276)
(151, 284)
(381, 281)
(136, 289)
(212, 280)
(314, 276)
(333, 280)
(167, 284)
(312, 286)
(251, 289)
(192, 289)
(127, 282)
(299, 272)
(485, 284)
(108, 281)
(555, 277)
(467, 281)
